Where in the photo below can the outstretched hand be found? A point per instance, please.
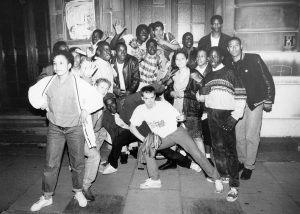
(118, 27)
(229, 124)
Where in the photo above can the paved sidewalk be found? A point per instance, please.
(274, 188)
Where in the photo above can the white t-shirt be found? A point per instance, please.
(214, 41)
(121, 77)
(161, 119)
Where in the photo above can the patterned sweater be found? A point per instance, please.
(227, 92)
(149, 69)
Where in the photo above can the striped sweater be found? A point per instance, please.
(227, 92)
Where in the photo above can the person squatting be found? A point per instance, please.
(145, 95)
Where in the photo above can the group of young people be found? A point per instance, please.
(207, 100)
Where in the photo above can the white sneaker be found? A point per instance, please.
(81, 199)
(219, 186)
(225, 180)
(210, 180)
(195, 167)
(232, 195)
(149, 184)
(109, 169)
(43, 202)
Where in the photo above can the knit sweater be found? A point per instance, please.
(227, 92)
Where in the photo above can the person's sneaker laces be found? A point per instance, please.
(109, 169)
(195, 167)
(43, 202)
(81, 199)
(225, 180)
(232, 195)
(219, 186)
(149, 184)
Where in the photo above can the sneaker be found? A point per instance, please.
(225, 180)
(195, 167)
(219, 186)
(81, 199)
(88, 194)
(43, 202)
(149, 184)
(124, 158)
(210, 180)
(246, 174)
(109, 169)
(102, 166)
(232, 195)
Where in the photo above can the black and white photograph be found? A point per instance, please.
(150, 106)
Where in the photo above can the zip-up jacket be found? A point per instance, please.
(87, 98)
(256, 78)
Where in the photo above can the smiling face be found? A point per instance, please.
(152, 48)
(215, 58)
(188, 40)
(159, 32)
(104, 52)
(121, 53)
(216, 25)
(111, 105)
(142, 35)
(181, 60)
(61, 65)
(201, 58)
(234, 48)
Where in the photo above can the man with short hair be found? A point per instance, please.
(166, 41)
(127, 68)
(101, 67)
(118, 130)
(136, 45)
(260, 89)
(161, 117)
(215, 37)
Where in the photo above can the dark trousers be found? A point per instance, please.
(206, 133)
(177, 157)
(224, 146)
(123, 139)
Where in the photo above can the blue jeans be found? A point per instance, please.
(248, 136)
(56, 139)
(182, 138)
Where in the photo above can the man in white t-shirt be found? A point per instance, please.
(161, 118)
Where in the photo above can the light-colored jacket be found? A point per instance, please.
(87, 98)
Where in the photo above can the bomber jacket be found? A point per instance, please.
(131, 73)
(191, 107)
(256, 78)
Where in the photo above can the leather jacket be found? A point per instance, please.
(256, 78)
(131, 74)
(191, 107)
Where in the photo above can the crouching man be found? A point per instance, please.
(161, 117)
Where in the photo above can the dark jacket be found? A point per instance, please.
(191, 107)
(256, 78)
(205, 43)
(131, 73)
